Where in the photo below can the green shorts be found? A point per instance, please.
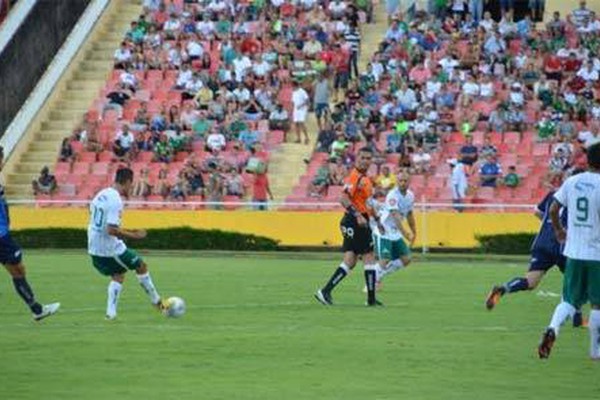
(581, 282)
(109, 266)
(387, 249)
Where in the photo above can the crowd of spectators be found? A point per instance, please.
(439, 79)
(205, 83)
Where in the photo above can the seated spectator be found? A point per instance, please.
(202, 125)
(234, 184)
(128, 80)
(193, 177)
(66, 153)
(337, 171)
(141, 121)
(122, 57)
(339, 145)
(468, 153)
(178, 140)
(326, 137)
(431, 140)
(489, 172)
(385, 180)
(511, 179)
(45, 183)
(163, 151)
(215, 141)
(249, 138)
(143, 142)
(179, 189)
(116, 101)
(320, 183)
(215, 189)
(394, 142)
(141, 186)
(123, 145)
(558, 162)
(421, 161)
(162, 187)
(488, 149)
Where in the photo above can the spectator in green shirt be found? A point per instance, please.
(163, 152)
(511, 179)
(339, 145)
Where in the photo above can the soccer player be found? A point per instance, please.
(110, 255)
(546, 252)
(11, 257)
(391, 248)
(358, 241)
(580, 195)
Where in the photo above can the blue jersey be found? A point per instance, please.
(546, 239)
(4, 218)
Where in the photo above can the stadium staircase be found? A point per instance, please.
(71, 99)
(286, 164)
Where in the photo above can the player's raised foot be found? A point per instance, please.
(47, 310)
(548, 339)
(375, 303)
(324, 298)
(162, 305)
(494, 297)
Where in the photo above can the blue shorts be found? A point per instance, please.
(10, 251)
(321, 109)
(543, 260)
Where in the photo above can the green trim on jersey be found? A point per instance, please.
(387, 249)
(581, 282)
(129, 260)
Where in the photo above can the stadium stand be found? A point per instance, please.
(526, 95)
(190, 96)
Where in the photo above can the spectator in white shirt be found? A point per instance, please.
(123, 145)
(588, 73)
(128, 80)
(122, 57)
(194, 49)
(421, 161)
(260, 67)
(215, 142)
(337, 9)
(471, 88)
(486, 88)
(301, 103)
(184, 76)
(241, 66)
(172, 27)
(205, 27)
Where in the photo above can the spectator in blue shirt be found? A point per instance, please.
(468, 153)
(489, 172)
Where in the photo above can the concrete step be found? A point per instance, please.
(65, 104)
(40, 157)
(63, 125)
(100, 66)
(84, 83)
(96, 78)
(19, 190)
(86, 95)
(45, 146)
(101, 55)
(44, 136)
(65, 114)
(28, 168)
(22, 179)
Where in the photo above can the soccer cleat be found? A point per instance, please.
(110, 317)
(324, 298)
(47, 310)
(494, 297)
(375, 303)
(548, 339)
(162, 305)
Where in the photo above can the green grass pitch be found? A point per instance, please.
(253, 331)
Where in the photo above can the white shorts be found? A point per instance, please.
(299, 115)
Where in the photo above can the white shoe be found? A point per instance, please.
(47, 310)
(110, 317)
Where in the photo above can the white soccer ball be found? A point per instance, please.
(175, 307)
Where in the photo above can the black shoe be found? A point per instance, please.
(579, 321)
(374, 303)
(546, 344)
(324, 298)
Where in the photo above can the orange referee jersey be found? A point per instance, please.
(359, 188)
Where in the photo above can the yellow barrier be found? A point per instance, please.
(308, 228)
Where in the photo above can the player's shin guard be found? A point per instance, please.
(516, 285)
(594, 327)
(340, 273)
(562, 312)
(146, 281)
(24, 291)
(370, 280)
(114, 291)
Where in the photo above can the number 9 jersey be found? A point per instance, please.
(105, 210)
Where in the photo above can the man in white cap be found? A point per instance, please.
(458, 182)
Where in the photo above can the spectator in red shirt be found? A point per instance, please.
(261, 191)
(250, 45)
(341, 66)
(553, 67)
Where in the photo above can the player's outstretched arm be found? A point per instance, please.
(121, 233)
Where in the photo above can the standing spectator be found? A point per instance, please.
(45, 183)
(235, 184)
(215, 141)
(215, 188)
(489, 172)
(301, 103)
(352, 38)
(468, 154)
(142, 187)
(261, 191)
(459, 183)
(321, 99)
(385, 180)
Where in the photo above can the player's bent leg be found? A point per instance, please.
(145, 280)
(17, 271)
(529, 282)
(323, 295)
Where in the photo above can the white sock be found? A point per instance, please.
(114, 290)
(594, 327)
(562, 312)
(392, 266)
(146, 282)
